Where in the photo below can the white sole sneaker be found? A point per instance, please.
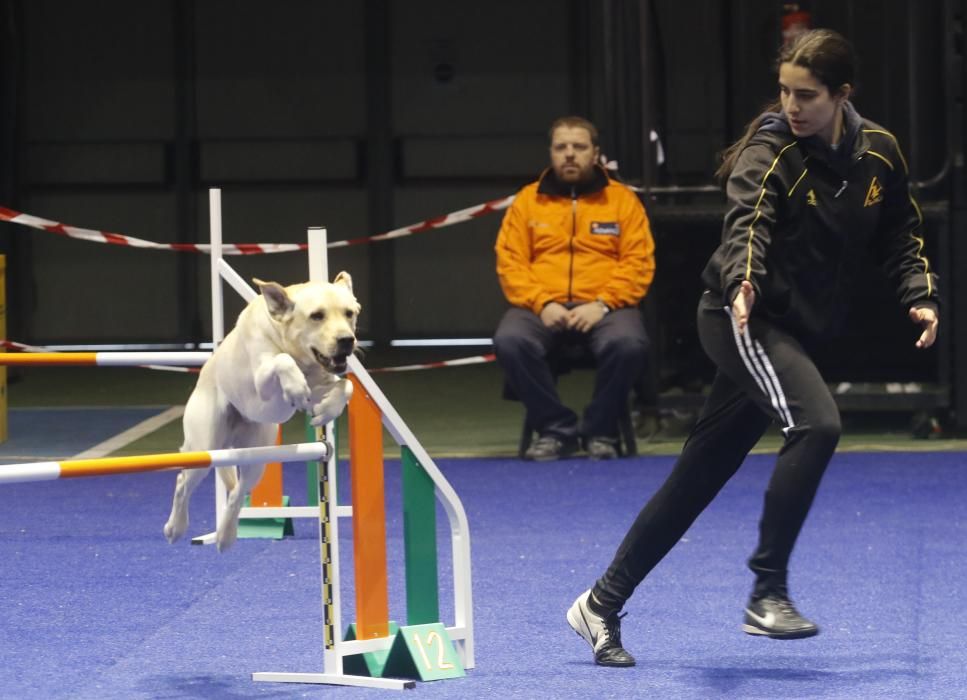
(609, 651)
(577, 620)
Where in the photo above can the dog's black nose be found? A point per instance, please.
(345, 344)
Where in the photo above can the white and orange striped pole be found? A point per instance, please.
(104, 359)
(68, 469)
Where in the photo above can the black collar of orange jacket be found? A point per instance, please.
(550, 184)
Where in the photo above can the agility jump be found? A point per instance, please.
(360, 657)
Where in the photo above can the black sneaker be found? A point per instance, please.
(775, 616)
(602, 448)
(549, 447)
(602, 633)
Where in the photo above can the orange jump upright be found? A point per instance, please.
(268, 492)
(369, 514)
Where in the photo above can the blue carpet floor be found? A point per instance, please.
(96, 605)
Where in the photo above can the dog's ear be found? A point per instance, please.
(345, 280)
(276, 300)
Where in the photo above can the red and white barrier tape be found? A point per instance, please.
(91, 235)
(13, 345)
(474, 360)
(456, 217)
(459, 362)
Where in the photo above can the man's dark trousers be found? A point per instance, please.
(618, 343)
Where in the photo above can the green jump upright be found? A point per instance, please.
(420, 542)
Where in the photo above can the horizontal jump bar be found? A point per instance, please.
(105, 359)
(47, 471)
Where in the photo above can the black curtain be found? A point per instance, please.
(16, 248)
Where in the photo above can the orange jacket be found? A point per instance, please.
(553, 246)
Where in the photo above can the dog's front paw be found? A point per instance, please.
(295, 391)
(333, 402)
(328, 410)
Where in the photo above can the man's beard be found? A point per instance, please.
(573, 176)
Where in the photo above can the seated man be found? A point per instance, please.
(575, 256)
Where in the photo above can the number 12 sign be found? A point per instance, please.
(425, 652)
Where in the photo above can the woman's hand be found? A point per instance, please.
(925, 317)
(742, 305)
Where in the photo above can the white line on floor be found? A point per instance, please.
(131, 434)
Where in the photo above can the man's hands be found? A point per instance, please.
(581, 318)
(742, 305)
(925, 317)
(554, 316)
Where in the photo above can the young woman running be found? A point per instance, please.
(813, 187)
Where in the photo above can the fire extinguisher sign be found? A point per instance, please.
(795, 20)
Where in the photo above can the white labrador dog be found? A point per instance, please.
(287, 352)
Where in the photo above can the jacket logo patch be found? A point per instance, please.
(606, 228)
(811, 199)
(875, 194)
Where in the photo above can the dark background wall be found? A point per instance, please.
(364, 116)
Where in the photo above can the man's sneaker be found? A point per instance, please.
(775, 616)
(550, 447)
(602, 448)
(602, 633)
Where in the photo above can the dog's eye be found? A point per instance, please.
(318, 315)
(350, 313)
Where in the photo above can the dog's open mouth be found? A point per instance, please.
(336, 364)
